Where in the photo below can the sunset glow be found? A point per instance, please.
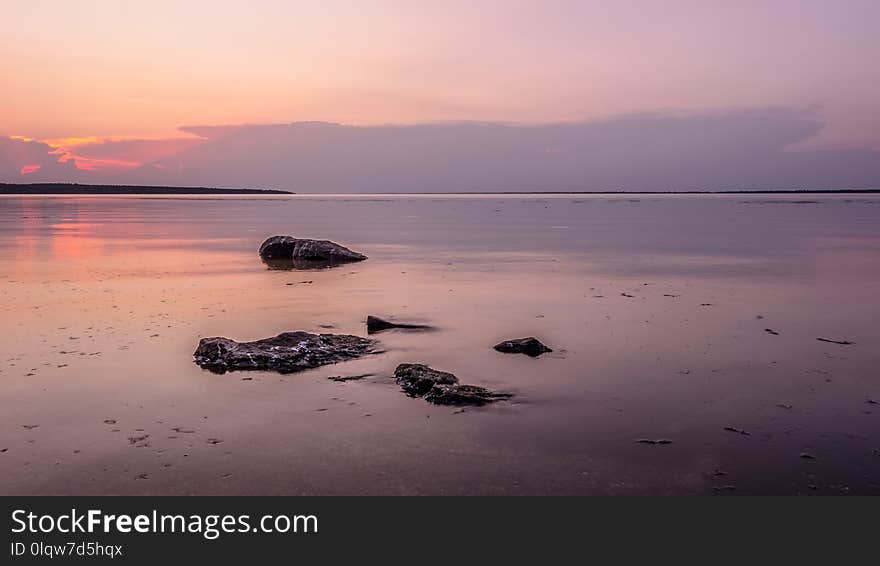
(113, 91)
(492, 248)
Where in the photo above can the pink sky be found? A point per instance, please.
(106, 86)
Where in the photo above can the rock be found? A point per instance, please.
(376, 324)
(442, 388)
(297, 253)
(418, 379)
(529, 346)
(771, 331)
(344, 378)
(737, 430)
(660, 441)
(841, 342)
(286, 353)
(463, 395)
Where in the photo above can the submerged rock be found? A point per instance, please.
(529, 346)
(441, 387)
(376, 324)
(286, 353)
(463, 395)
(418, 379)
(737, 430)
(841, 342)
(302, 249)
(344, 378)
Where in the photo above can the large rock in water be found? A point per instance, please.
(529, 346)
(302, 249)
(441, 387)
(286, 353)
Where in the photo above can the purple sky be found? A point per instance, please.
(631, 94)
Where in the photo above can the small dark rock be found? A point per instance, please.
(807, 456)
(344, 378)
(660, 441)
(771, 331)
(418, 379)
(737, 430)
(376, 324)
(462, 395)
(286, 353)
(841, 342)
(529, 346)
(442, 388)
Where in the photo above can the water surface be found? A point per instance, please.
(656, 306)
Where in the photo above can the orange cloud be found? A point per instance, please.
(114, 154)
(28, 169)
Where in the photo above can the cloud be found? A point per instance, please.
(113, 155)
(26, 160)
(745, 149)
(82, 159)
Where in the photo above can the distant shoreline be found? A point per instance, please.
(78, 189)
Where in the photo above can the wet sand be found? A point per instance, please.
(692, 319)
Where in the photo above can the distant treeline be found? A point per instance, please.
(77, 189)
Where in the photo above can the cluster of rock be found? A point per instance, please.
(441, 387)
(297, 351)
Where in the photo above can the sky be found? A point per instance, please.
(279, 94)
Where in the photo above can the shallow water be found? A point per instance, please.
(104, 299)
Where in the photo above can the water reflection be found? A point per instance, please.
(278, 264)
(656, 311)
